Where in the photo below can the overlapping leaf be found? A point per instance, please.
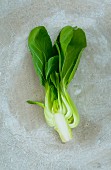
(70, 44)
(40, 45)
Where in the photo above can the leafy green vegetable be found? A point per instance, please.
(56, 66)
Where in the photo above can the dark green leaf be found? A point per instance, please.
(40, 46)
(53, 93)
(55, 79)
(72, 41)
(52, 65)
(58, 50)
(75, 67)
(66, 35)
(38, 63)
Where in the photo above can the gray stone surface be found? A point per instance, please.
(26, 142)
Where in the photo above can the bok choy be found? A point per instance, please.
(56, 66)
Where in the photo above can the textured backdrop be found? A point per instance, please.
(26, 142)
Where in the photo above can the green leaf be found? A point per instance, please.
(71, 50)
(60, 57)
(53, 92)
(40, 46)
(62, 42)
(57, 49)
(52, 65)
(66, 35)
(75, 67)
(55, 79)
(35, 102)
(38, 63)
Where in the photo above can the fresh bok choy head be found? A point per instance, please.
(56, 66)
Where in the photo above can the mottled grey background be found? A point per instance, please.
(26, 142)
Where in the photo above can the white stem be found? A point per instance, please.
(62, 127)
